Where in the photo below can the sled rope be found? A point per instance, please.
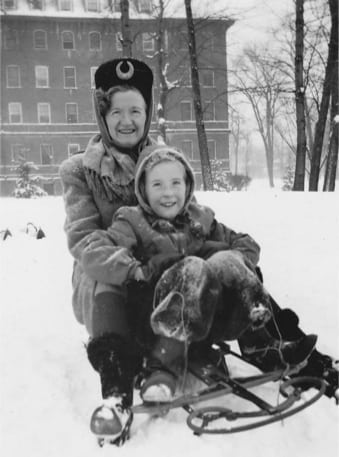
(186, 343)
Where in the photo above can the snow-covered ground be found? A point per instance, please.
(48, 390)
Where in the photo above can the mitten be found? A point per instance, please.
(157, 264)
(211, 247)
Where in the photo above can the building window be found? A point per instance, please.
(145, 6)
(9, 4)
(187, 148)
(211, 41)
(71, 113)
(93, 5)
(73, 148)
(40, 39)
(93, 70)
(209, 111)
(46, 154)
(44, 113)
(36, 4)
(67, 40)
(13, 76)
(147, 42)
(93, 111)
(155, 111)
(15, 113)
(207, 78)
(41, 76)
(18, 152)
(11, 39)
(95, 41)
(183, 41)
(186, 111)
(115, 6)
(185, 74)
(65, 5)
(152, 67)
(118, 41)
(69, 78)
(212, 151)
(165, 40)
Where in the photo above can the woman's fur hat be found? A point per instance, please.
(125, 71)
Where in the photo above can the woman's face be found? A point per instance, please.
(126, 118)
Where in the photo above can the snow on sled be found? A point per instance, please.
(253, 411)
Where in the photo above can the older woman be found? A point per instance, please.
(96, 183)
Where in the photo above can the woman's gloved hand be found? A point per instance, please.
(156, 265)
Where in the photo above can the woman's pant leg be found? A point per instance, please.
(109, 312)
(111, 349)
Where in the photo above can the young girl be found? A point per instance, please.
(208, 288)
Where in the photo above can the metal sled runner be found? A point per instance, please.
(218, 384)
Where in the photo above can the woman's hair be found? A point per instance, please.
(104, 99)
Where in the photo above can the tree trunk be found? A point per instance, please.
(325, 101)
(270, 142)
(202, 139)
(299, 177)
(125, 29)
(236, 136)
(163, 86)
(309, 130)
(332, 159)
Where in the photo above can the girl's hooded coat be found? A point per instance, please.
(136, 233)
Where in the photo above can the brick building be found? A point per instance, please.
(50, 51)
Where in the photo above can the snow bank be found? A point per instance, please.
(48, 390)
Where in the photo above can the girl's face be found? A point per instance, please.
(165, 187)
(126, 118)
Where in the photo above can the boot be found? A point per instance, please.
(159, 384)
(161, 371)
(268, 353)
(116, 364)
(286, 325)
(325, 367)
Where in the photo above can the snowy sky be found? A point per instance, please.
(253, 17)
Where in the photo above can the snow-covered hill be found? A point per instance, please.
(48, 390)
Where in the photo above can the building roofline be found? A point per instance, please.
(101, 18)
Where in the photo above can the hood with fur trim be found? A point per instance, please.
(156, 154)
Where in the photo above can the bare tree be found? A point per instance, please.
(161, 58)
(325, 100)
(299, 176)
(332, 159)
(202, 138)
(261, 82)
(241, 138)
(315, 31)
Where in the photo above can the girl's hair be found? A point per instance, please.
(104, 99)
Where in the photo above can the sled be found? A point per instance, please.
(218, 384)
